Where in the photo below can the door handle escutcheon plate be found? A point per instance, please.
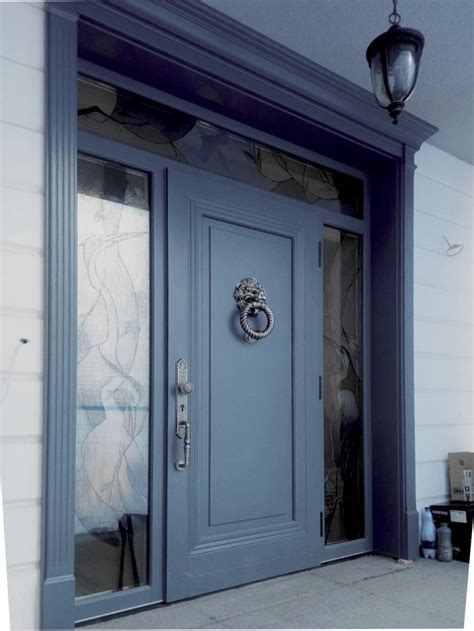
(183, 429)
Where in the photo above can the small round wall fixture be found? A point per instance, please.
(394, 61)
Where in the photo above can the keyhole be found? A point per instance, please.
(182, 407)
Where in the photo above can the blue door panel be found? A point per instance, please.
(247, 409)
(248, 506)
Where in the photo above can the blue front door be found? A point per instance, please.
(245, 504)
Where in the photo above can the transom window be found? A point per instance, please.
(135, 120)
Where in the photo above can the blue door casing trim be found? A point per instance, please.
(265, 86)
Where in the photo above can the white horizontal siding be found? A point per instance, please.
(434, 303)
(443, 338)
(443, 407)
(443, 335)
(22, 283)
(22, 413)
(22, 106)
(431, 230)
(443, 201)
(21, 462)
(29, 357)
(432, 480)
(433, 441)
(24, 596)
(22, 34)
(22, 530)
(21, 218)
(445, 169)
(22, 46)
(22, 157)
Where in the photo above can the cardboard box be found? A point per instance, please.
(461, 467)
(459, 517)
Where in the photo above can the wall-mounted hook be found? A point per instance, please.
(453, 248)
(11, 367)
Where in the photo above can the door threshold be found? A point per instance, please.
(119, 613)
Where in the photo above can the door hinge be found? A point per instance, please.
(320, 253)
(321, 533)
(320, 387)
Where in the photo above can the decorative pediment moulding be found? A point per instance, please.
(189, 49)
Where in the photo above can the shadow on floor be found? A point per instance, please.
(367, 592)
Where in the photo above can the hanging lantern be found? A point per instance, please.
(394, 60)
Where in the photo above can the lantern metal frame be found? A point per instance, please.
(396, 34)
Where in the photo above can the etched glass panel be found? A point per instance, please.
(141, 122)
(343, 447)
(113, 365)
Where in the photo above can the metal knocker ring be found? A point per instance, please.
(254, 308)
(251, 298)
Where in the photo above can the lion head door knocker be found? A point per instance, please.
(251, 298)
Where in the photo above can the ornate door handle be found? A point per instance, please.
(183, 428)
(251, 298)
(183, 464)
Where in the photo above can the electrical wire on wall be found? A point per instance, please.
(11, 367)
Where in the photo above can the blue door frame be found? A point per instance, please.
(260, 85)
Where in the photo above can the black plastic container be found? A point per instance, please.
(459, 516)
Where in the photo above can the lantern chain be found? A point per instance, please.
(394, 17)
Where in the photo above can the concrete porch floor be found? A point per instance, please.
(366, 592)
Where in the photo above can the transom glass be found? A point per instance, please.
(132, 119)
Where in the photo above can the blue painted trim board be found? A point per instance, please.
(257, 84)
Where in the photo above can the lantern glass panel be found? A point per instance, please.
(401, 65)
(376, 71)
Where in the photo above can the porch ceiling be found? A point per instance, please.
(335, 34)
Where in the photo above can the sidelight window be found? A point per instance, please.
(113, 359)
(343, 445)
